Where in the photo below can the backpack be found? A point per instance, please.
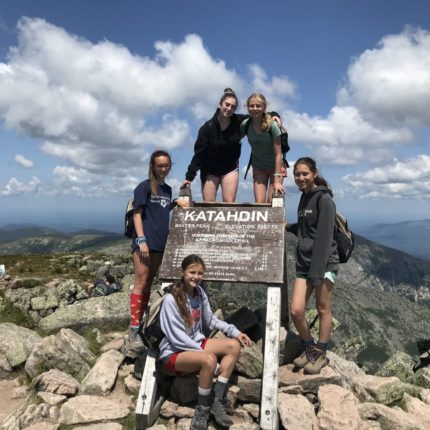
(101, 288)
(285, 147)
(128, 219)
(150, 329)
(343, 236)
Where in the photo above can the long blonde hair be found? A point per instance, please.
(151, 173)
(267, 119)
(178, 290)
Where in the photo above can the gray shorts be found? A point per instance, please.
(331, 276)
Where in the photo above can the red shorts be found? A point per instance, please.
(170, 364)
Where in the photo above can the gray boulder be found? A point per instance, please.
(56, 382)
(16, 343)
(400, 365)
(250, 362)
(88, 409)
(101, 378)
(108, 311)
(66, 351)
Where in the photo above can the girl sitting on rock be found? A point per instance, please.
(184, 316)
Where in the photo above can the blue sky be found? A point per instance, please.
(89, 88)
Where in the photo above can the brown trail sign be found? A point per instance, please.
(238, 243)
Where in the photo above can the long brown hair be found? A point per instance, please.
(178, 290)
(267, 119)
(151, 173)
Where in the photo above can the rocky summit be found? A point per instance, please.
(61, 365)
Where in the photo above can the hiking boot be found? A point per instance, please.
(200, 418)
(303, 358)
(218, 410)
(133, 345)
(317, 359)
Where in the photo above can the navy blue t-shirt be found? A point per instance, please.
(155, 215)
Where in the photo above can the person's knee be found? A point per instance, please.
(209, 361)
(234, 347)
(297, 313)
(324, 309)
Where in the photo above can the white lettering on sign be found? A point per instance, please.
(238, 216)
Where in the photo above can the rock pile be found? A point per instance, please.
(68, 385)
(55, 378)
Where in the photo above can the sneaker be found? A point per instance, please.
(133, 345)
(218, 410)
(200, 418)
(303, 358)
(317, 360)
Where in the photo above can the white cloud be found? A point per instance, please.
(409, 179)
(276, 90)
(344, 137)
(74, 181)
(385, 96)
(99, 106)
(391, 83)
(23, 162)
(15, 187)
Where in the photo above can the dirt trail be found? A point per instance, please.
(7, 403)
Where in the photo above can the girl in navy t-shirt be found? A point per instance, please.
(152, 205)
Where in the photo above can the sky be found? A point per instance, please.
(88, 89)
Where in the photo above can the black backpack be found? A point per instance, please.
(150, 329)
(285, 147)
(128, 219)
(343, 236)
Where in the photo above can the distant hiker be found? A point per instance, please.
(317, 262)
(266, 155)
(217, 151)
(152, 205)
(104, 270)
(105, 284)
(184, 317)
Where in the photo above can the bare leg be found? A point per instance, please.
(210, 188)
(323, 296)
(204, 362)
(198, 361)
(229, 184)
(302, 291)
(261, 182)
(145, 270)
(227, 350)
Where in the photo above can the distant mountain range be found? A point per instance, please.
(412, 237)
(30, 238)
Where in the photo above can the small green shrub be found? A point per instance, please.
(15, 315)
(129, 422)
(91, 338)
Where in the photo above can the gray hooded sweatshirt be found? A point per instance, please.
(178, 337)
(316, 247)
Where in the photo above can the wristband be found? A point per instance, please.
(277, 174)
(139, 240)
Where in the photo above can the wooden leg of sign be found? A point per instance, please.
(269, 397)
(147, 392)
(285, 310)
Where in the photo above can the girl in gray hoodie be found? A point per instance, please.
(317, 262)
(184, 317)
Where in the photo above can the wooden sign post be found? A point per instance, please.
(238, 243)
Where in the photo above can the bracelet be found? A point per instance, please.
(139, 240)
(277, 174)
